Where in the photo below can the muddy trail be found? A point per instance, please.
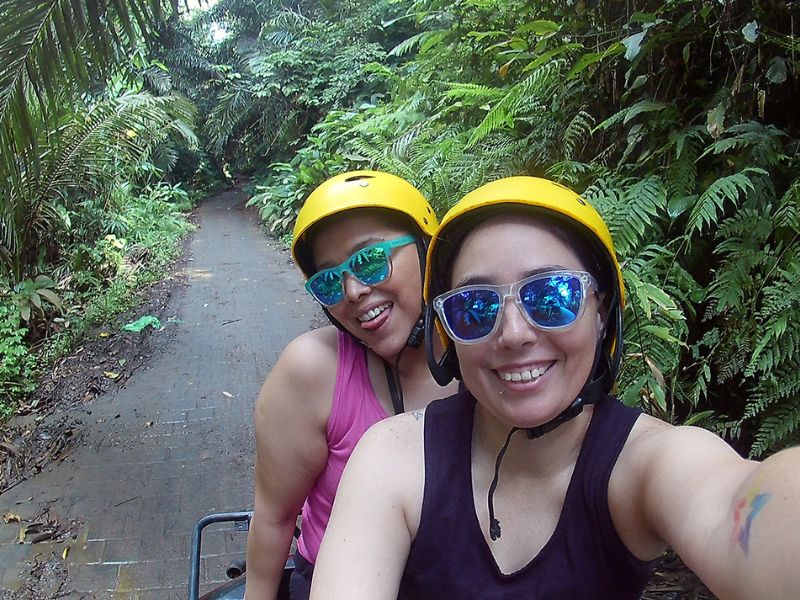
(136, 435)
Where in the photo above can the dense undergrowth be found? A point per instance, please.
(100, 274)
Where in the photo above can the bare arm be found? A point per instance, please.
(375, 515)
(733, 521)
(291, 450)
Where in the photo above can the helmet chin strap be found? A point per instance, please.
(395, 387)
(417, 332)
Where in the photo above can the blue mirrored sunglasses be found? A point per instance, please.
(551, 300)
(370, 266)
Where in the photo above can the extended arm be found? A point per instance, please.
(375, 515)
(291, 450)
(733, 521)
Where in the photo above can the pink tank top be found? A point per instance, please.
(355, 408)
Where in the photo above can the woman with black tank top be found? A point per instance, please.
(533, 481)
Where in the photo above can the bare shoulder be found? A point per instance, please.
(654, 441)
(389, 460)
(401, 433)
(665, 473)
(310, 351)
(304, 375)
(665, 454)
(392, 449)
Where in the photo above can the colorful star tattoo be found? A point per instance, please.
(744, 513)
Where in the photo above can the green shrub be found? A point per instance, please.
(16, 363)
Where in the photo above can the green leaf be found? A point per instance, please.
(698, 417)
(36, 301)
(549, 55)
(680, 204)
(643, 106)
(715, 120)
(662, 333)
(51, 297)
(638, 82)
(591, 58)
(639, 17)
(541, 28)
(44, 280)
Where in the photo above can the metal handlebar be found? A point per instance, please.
(242, 523)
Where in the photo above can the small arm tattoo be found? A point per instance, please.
(744, 513)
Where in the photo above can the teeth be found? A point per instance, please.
(371, 314)
(526, 375)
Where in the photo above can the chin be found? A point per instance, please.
(525, 413)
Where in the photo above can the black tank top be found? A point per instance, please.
(584, 558)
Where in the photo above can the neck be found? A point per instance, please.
(413, 362)
(550, 452)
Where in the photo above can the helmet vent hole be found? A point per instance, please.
(363, 180)
(424, 220)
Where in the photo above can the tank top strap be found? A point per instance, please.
(353, 385)
(587, 496)
(608, 431)
(448, 432)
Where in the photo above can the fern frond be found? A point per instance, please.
(533, 90)
(420, 39)
(763, 141)
(788, 212)
(781, 427)
(577, 132)
(631, 112)
(474, 93)
(710, 205)
(632, 214)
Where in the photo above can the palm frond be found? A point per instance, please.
(46, 44)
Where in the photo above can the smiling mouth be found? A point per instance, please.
(374, 313)
(523, 375)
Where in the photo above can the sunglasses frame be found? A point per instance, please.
(512, 290)
(345, 267)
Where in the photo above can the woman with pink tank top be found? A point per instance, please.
(360, 240)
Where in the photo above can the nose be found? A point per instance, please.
(514, 329)
(353, 288)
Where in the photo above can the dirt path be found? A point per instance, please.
(174, 443)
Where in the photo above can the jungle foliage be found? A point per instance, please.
(90, 129)
(675, 118)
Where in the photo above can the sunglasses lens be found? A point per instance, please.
(471, 314)
(326, 286)
(370, 266)
(553, 301)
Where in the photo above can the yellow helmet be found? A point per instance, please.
(525, 191)
(358, 189)
(539, 194)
